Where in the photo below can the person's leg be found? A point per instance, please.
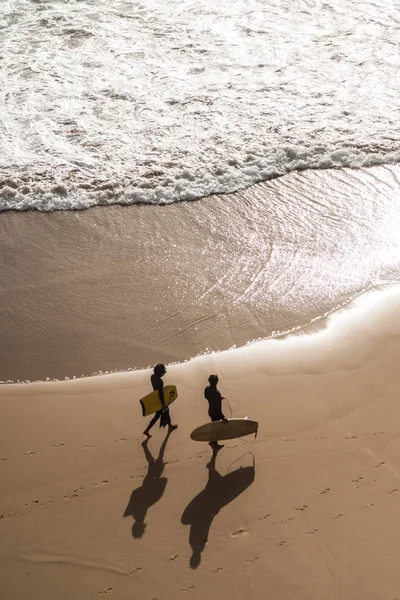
(215, 445)
(152, 422)
(168, 422)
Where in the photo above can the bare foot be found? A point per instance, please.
(147, 434)
(172, 428)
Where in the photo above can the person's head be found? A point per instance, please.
(213, 379)
(159, 370)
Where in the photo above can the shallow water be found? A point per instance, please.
(126, 287)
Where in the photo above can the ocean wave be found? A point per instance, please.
(73, 189)
(130, 102)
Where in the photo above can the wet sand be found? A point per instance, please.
(126, 287)
(307, 510)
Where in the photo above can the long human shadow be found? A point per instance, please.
(151, 491)
(219, 491)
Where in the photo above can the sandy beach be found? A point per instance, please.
(309, 510)
(214, 187)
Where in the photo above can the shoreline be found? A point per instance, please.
(315, 494)
(320, 323)
(117, 288)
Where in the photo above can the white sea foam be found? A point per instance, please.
(111, 101)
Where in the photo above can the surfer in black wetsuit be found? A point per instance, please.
(214, 397)
(162, 414)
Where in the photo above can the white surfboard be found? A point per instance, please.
(218, 430)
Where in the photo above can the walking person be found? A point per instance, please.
(214, 398)
(163, 414)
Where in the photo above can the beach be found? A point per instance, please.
(306, 510)
(309, 508)
(213, 187)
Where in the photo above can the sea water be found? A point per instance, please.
(126, 101)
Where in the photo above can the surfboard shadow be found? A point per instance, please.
(219, 491)
(151, 490)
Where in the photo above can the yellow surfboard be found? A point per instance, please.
(152, 403)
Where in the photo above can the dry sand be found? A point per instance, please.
(309, 511)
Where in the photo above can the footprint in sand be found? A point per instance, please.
(174, 557)
(137, 570)
(281, 543)
(380, 464)
(312, 532)
(199, 455)
(350, 437)
(28, 453)
(37, 503)
(369, 506)
(239, 532)
(14, 514)
(283, 521)
(58, 445)
(4, 458)
(89, 446)
(106, 591)
(74, 494)
(120, 440)
(304, 507)
(252, 560)
(188, 589)
(357, 480)
(339, 516)
(325, 491)
(264, 517)
(320, 439)
(217, 570)
(394, 491)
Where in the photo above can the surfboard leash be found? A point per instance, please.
(230, 407)
(240, 458)
(255, 435)
(252, 441)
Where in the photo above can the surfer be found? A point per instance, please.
(162, 414)
(214, 397)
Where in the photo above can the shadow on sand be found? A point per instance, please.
(219, 491)
(151, 490)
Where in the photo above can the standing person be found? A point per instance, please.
(214, 397)
(162, 414)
